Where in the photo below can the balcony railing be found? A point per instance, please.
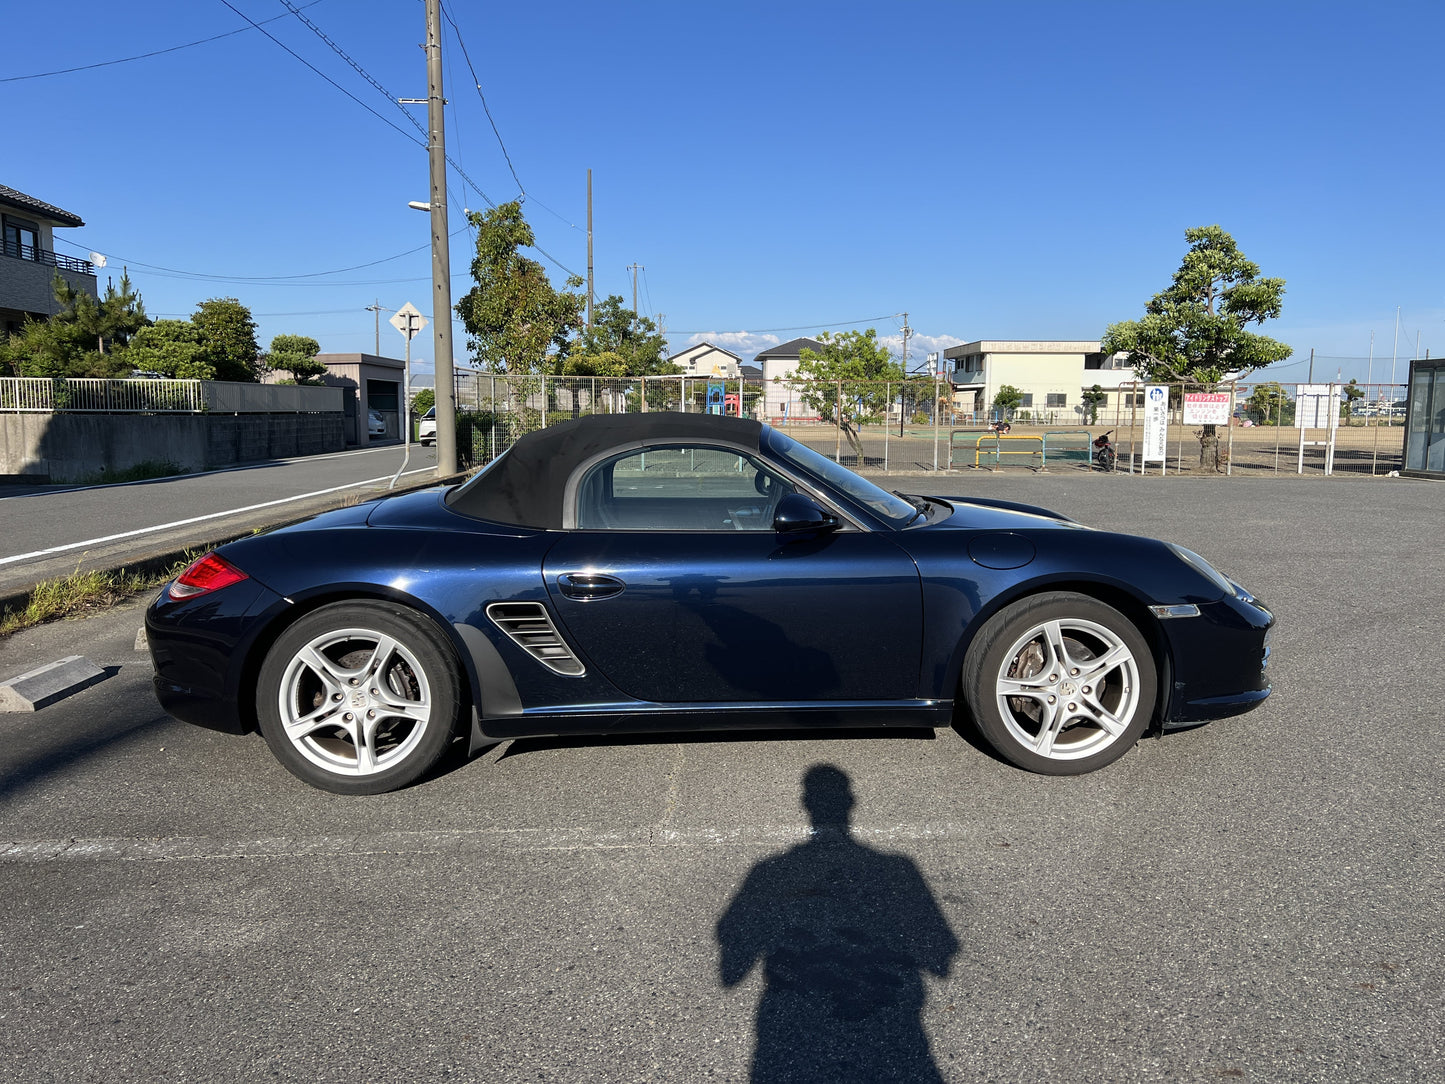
(15, 250)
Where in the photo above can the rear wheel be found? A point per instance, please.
(1060, 683)
(359, 698)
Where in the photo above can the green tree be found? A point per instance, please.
(87, 336)
(617, 335)
(228, 338)
(121, 314)
(1007, 400)
(295, 354)
(172, 348)
(1350, 392)
(1270, 404)
(515, 320)
(1195, 331)
(1093, 399)
(848, 380)
(423, 401)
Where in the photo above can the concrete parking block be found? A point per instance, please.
(44, 685)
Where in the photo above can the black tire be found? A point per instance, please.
(359, 697)
(1096, 713)
(1106, 458)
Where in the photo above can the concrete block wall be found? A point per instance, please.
(247, 438)
(70, 447)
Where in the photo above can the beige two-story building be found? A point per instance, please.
(1051, 375)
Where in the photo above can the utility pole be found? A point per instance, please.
(903, 364)
(634, 269)
(440, 250)
(589, 250)
(375, 307)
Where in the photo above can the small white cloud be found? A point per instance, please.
(745, 344)
(920, 346)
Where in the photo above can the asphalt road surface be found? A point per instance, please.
(1257, 899)
(49, 530)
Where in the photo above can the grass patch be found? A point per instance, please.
(82, 593)
(137, 473)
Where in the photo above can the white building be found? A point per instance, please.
(705, 359)
(781, 403)
(1051, 376)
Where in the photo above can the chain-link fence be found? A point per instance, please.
(918, 425)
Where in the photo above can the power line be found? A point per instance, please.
(476, 82)
(341, 53)
(263, 280)
(800, 327)
(323, 75)
(419, 126)
(485, 108)
(145, 56)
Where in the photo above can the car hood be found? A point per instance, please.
(987, 514)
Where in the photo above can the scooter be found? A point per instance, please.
(1104, 455)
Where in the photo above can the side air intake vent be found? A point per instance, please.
(531, 628)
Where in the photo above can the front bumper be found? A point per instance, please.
(1220, 660)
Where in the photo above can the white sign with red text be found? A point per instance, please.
(1206, 408)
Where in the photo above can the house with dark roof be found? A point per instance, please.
(780, 403)
(29, 262)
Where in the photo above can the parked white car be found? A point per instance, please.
(375, 424)
(426, 431)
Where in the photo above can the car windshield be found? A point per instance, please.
(886, 506)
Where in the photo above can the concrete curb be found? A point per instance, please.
(46, 684)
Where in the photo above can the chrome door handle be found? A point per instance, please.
(586, 586)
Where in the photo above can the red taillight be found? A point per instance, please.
(211, 573)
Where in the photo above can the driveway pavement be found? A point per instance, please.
(50, 531)
(1257, 899)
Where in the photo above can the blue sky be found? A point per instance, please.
(1020, 170)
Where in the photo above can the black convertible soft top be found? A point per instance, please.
(525, 485)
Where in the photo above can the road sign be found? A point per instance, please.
(408, 320)
(1156, 423)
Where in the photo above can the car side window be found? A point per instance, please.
(680, 488)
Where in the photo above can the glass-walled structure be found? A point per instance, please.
(1425, 420)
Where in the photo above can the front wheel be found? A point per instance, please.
(1106, 458)
(1060, 683)
(359, 698)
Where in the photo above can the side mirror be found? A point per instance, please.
(799, 512)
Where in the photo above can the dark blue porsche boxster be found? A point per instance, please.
(679, 571)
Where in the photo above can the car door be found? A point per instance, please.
(675, 587)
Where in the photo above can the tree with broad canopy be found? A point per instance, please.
(1195, 330)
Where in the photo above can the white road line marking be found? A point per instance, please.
(202, 848)
(197, 519)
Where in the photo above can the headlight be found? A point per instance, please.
(1204, 568)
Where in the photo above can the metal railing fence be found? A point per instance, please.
(94, 395)
(99, 396)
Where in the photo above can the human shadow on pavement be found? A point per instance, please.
(844, 934)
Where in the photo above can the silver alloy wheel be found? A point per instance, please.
(354, 701)
(1068, 688)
